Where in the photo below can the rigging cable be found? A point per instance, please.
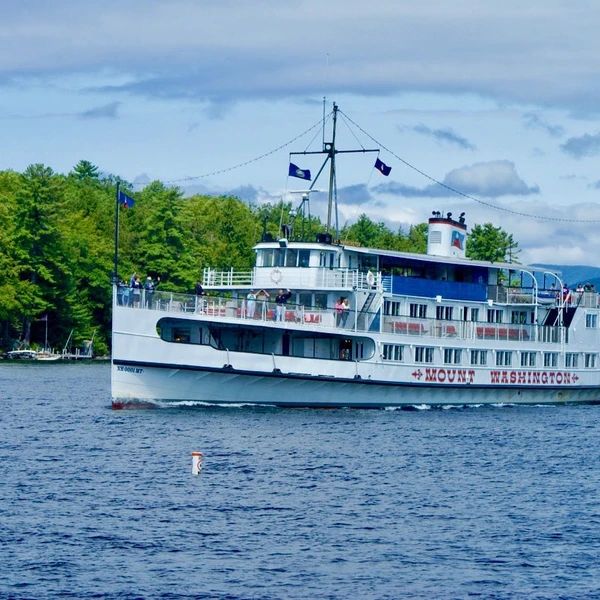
(319, 123)
(463, 194)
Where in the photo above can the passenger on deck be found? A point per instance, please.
(339, 307)
(251, 304)
(281, 300)
(149, 287)
(136, 289)
(345, 311)
(566, 295)
(199, 291)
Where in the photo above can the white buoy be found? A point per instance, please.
(197, 462)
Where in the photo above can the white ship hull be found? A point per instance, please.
(135, 384)
(147, 369)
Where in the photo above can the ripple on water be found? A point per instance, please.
(421, 503)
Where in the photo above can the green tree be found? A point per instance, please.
(365, 232)
(486, 242)
(159, 243)
(38, 242)
(84, 169)
(10, 304)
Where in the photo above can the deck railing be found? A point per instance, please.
(264, 310)
(293, 277)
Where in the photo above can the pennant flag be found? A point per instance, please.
(125, 201)
(382, 167)
(296, 171)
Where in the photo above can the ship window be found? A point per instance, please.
(474, 314)
(494, 315)
(359, 350)
(443, 313)
(591, 320)
(367, 262)
(590, 360)
(181, 335)
(305, 299)
(391, 307)
(571, 360)
(452, 356)
(528, 359)
(479, 357)
(346, 350)
(418, 310)
(503, 358)
(291, 256)
(321, 300)
(550, 359)
(268, 258)
(239, 338)
(327, 259)
(393, 352)
(518, 317)
(279, 254)
(423, 354)
(303, 258)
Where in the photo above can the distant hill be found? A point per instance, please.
(574, 274)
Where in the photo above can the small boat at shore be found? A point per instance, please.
(22, 355)
(44, 355)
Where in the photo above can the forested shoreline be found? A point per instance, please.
(57, 247)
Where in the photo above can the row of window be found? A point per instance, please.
(502, 358)
(466, 313)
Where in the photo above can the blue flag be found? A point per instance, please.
(296, 171)
(382, 167)
(125, 201)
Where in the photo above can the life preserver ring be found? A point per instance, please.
(276, 275)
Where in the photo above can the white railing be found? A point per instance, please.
(231, 278)
(264, 310)
(293, 277)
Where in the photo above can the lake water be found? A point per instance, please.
(490, 502)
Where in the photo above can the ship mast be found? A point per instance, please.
(331, 151)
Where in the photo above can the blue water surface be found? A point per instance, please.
(488, 502)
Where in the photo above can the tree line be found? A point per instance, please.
(57, 246)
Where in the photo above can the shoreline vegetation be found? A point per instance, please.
(57, 247)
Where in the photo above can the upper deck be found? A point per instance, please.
(402, 324)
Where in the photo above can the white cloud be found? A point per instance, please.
(235, 50)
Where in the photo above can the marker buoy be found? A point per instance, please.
(197, 462)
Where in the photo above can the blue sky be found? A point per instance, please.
(497, 99)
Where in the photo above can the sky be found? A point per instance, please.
(498, 100)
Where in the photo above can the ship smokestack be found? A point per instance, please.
(446, 236)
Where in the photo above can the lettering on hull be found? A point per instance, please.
(533, 377)
(135, 370)
(500, 377)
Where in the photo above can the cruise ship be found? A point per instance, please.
(319, 323)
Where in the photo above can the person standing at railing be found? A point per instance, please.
(149, 287)
(250, 304)
(199, 291)
(136, 290)
(339, 308)
(345, 311)
(130, 293)
(280, 301)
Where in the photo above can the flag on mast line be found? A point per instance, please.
(296, 171)
(125, 201)
(382, 167)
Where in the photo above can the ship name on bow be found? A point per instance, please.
(502, 377)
